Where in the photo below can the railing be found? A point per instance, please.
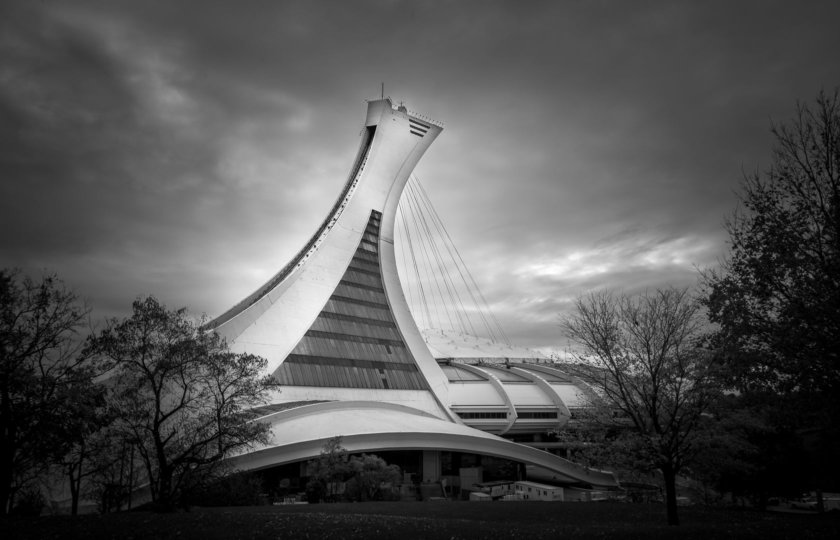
(416, 115)
(425, 118)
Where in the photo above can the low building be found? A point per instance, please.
(534, 491)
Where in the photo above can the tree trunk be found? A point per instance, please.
(6, 480)
(671, 494)
(75, 473)
(130, 474)
(5, 492)
(165, 501)
(7, 448)
(75, 485)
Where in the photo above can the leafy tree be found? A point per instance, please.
(336, 474)
(45, 380)
(744, 452)
(328, 472)
(369, 475)
(650, 371)
(180, 396)
(776, 298)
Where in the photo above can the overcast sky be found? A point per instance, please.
(188, 149)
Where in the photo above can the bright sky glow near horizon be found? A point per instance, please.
(188, 149)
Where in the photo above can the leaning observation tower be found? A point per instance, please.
(336, 329)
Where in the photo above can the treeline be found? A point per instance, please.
(151, 403)
(738, 386)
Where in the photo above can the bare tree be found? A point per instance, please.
(83, 440)
(180, 395)
(112, 470)
(651, 369)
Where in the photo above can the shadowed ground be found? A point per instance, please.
(431, 520)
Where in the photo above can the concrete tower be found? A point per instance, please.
(338, 335)
(336, 316)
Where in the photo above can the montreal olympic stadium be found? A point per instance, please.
(336, 329)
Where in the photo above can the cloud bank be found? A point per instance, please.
(188, 149)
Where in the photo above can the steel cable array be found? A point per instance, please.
(441, 291)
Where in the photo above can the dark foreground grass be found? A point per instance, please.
(431, 520)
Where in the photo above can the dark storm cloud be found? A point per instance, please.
(188, 149)
(90, 172)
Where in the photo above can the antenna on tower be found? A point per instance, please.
(383, 91)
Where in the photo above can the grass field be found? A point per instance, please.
(430, 520)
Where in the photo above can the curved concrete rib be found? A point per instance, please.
(500, 389)
(374, 426)
(563, 411)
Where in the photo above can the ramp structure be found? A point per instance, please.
(336, 329)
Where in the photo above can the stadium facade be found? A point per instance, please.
(338, 334)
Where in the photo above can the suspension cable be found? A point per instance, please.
(424, 303)
(441, 267)
(426, 236)
(447, 274)
(472, 287)
(443, 271)
(425, 245)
